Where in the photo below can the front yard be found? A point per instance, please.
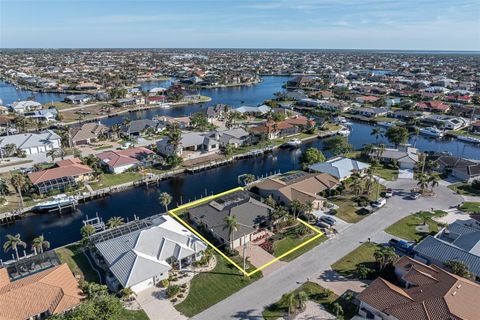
(290, 240)
(408, 227)
(385, 172)
(363, 255)
(208, 288)
(471, 207)
(315, 293)
(464, 189)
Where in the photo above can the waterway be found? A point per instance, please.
(143, 201)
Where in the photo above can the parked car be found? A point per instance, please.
(388, 193)
(126, 145)
(322, 224)
(328, 220)
(414, 195)
(379, 203)
(402, 245)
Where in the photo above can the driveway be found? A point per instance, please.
(249, 302)
(156, 305)
(259, 257)
(405, 174)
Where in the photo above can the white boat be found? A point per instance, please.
(386, 124)
(344, 131)
(469, 139)
(432, 131)
(164, 106)
(342, 120)
(58, 201)
(294, 143)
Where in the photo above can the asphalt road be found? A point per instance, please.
(249, 302)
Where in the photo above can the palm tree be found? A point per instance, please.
(9, 149)
(19, 181)
(232, 225)
(377, 132)
(13, 242)
(369, 179)
(116, 129)
(290, 297)
(381, 149)
(308, 209)
(422, 181)
(433, 180)
(174, 135)
(114, 222)
(337, 309)
(165, 200)
(296, 207)
(39, 243)
(301, 298)
(385, 256)
(248, 178)
(356, 184)
(52, 153)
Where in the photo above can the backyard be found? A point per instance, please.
(407, 228)
(363, 255)
(110, 180)
(315, 293)
(77, 262)
(211, 287)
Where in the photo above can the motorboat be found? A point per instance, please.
(294, 143)
(342, 120)
(386, 124)
(432, 131)
(469, 139)
(164, 105)
(58, 201)
(344, 131)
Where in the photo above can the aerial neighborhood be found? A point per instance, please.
(248, 184)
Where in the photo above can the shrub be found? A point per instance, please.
(180, 295)
(165, 283)
(173, 290)
(184, 285)
(174, 300)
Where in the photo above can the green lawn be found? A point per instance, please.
(471, 207)
(133, 315)
(290, 242)
(385, 172)
(211, 287)
(362, 255)
(346, 210)
(406, 227)
(110, 180)
(107, 146)
(464, 189)
(315, 293)
(77, 262)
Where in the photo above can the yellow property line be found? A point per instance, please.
(200, 201)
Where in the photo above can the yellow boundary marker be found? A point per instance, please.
(248, 274)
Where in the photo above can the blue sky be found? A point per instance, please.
(330, 24)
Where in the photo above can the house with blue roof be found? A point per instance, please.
(339, 167)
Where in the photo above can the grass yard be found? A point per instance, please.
(464, 189)
(385, 173)
(77, 262)
(471, 207)
(406, 227)
(107, 146)
(315, 293)
(133, 315)
(346, 210)
(110, 180)
(362, 255)
(211, 287)
(290, 242)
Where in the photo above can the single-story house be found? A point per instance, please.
(140, 259)
(32, 143)
(287, 127)
(263, 109)
(43, 114)
(366, 99)
(78, 98)
(39, 295)
(236, 137)
(422, 292)
(406, 156)
(370, 112)
(119, 161)
(217, 112)
(182, 122)
(138, 127)
(460, 168)
(251, 214)
(301, 186)
(25, 106)
(434, 106)
(87, 133)
(67, 173)
(340, 168)
(191, 141)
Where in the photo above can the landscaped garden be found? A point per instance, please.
(417, 226)
(294, 302)
(471, 207)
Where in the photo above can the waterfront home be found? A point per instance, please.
(251, 214)
(119, 161)
(406, 156)
(300, 186)
(433, 106)
(182, 122)
(88, 133)
(422, 292)
(140, 259)
(446, 122)
(66, 174)
(236, 137)
(42, 115)
(141, 126)
(87, 86)
(191, 144)
(260, 110)
(460, 240)
(274, 130)
(217, 112)
(463, 169)
(32, 143)
(155, 100)
(78, 98)
(339, 167)
(325, 105)
(38, 295)
(370, 112)
(406, 115)
(24, 106)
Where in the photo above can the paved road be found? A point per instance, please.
(249, 302)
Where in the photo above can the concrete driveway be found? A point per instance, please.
(156, 305)
(249, 302)
(259, 257)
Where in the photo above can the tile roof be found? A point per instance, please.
(54, 290)
(65, 168)
(119, 158)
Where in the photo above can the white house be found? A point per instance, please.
(24, 106)
(341, 168)
(142, 258)
(33, 143)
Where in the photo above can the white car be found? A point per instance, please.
(379, 203)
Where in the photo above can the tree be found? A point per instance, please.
(296, 207)
(116, 129)
(126, 293)
(231, 224)
(291, 303)
(19, 181)
(459, 268)
(9, 149)
(114, 222)
(248, 178)
(233, 117)
(356, 184)
(12, 243)
(337, 145)
(94, 290)
(301, 298)
(337, 309)
(397, 135)
(311, 156)
(86, 231)
(174, 135)
(269, 201)
(228, 150)
(165, 199)
(173, 161)
(369, 180)
(433, 179)
(362, 272)
(385, 256)
(199, 121)
(105, 307)
(52, 153)
(3, 187)
(39, 243)
(377, 132)
(422, 181)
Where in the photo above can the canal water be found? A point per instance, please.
(9, 94)
(143, 202)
